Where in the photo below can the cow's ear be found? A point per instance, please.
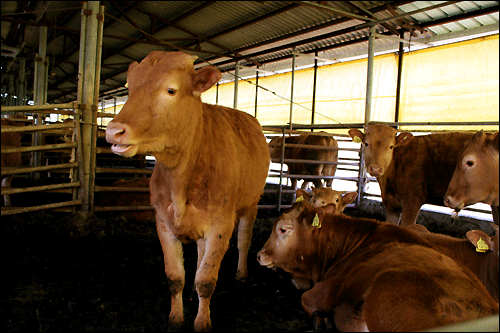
(356, 135)
(403, 138)
(348, 198)
(205, 78)
(495, 143)
(480, 240)
(132, 66)
(302, 193)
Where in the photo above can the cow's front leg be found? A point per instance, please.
(319, 304)
(392, 216)
(174, 268)
(216, 244)
(411, 208)
(245, 227)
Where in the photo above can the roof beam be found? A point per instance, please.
(336, 11)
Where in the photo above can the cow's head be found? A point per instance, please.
(275, 147)
(163, 105)
(475, 178)
(322, 196)
(289, 246)
(379, 141)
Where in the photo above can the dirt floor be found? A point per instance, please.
(107, 274)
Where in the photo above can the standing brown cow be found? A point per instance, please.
(211, 168)
(411, 171)
(307, 154)
(475, 178)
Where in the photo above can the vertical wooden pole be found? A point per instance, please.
(92, 19)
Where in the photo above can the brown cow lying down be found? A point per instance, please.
(411, 171)
(300, 153)
(475, 178)
(121, 198)
(484, 264)
(211, 167)
(322, 196)
(479, 253)
(370, 274)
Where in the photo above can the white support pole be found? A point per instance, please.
(236, 79)
(40, 93)
(362, 180)
(21, 87)
(291, 88)
(369, 78)
(92, 18)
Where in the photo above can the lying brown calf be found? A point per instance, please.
(370, 274)
(479, 252)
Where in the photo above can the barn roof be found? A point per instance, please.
(258, 34)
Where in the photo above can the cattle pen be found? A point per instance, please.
(53, 172)
(84, 252)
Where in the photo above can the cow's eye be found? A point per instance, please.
(282, 230)
(366, 144)
(171, 91)
(469, 163)
(337, 200)
(391, 147)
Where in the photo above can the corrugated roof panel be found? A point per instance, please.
(170, 10)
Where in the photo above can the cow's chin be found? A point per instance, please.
(268, 265)
(125, 150)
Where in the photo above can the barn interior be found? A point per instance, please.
(297, 66)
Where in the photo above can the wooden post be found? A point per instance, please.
(92, 18)
(40, 94)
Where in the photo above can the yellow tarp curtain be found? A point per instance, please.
(457, 82)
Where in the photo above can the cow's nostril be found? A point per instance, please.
(116, 132)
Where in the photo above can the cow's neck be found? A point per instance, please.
(384, 180)
(348, 239)
(177, 164)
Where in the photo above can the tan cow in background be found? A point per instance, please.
(211, 168)
(307, 154)
(411, 170)
(475, 178)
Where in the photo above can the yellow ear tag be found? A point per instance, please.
(357, 139)
(482, 246)
(301, 198)
(316, 221)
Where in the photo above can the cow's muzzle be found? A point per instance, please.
(119, 135)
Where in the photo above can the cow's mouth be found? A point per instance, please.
(124, 150)
(270, 265)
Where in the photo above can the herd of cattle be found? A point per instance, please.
(357, 274)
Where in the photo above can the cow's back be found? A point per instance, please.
(428, 161)
(242, 149)
(415, 288)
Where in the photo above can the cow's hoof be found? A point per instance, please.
(204, 327)
(174, 327)
(321, 322)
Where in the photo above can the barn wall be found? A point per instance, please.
(455, 82)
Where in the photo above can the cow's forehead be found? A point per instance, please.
(159, 63)
(380, 132)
